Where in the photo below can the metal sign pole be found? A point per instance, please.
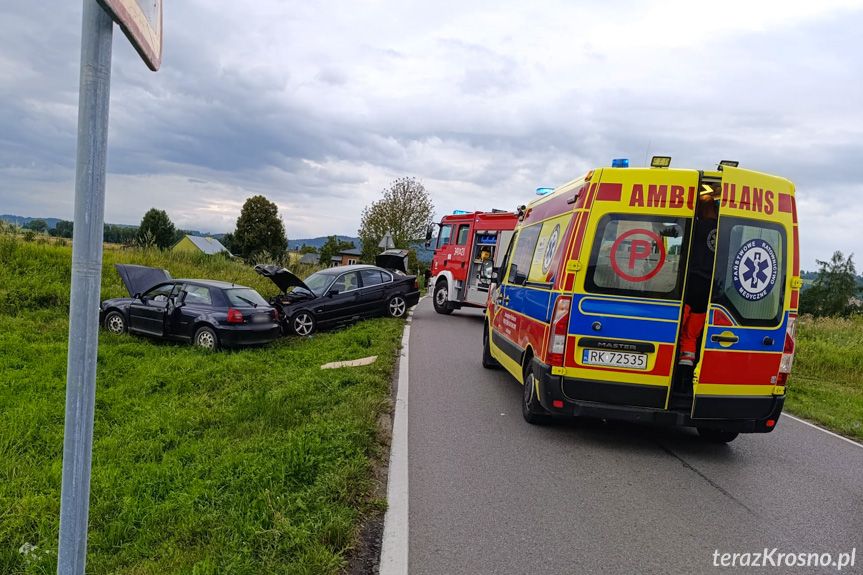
(93, 101)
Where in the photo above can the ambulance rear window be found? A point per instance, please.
(640, 256)
(749, 281)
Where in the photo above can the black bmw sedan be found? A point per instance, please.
(340, 295)
(209, 313)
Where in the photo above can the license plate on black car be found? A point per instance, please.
(261, 318)
(614, 359)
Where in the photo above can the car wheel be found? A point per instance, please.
(531, 409)
(488, 361)
(206, 338)
(397, 306)
(716, 435)
(303, 323)
(115, 322)
(440, 298)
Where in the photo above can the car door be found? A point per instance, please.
(373, 292)
(147, 314)
(750, 302)
(198, 301)
(342, 306)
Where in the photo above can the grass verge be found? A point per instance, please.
(826, 383)
(252, 461)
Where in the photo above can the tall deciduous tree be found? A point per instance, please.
(38, 225)
(834, 289)
(260, 229)
(405, 211)
(158, 227)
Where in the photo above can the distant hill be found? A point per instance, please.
(23, 221)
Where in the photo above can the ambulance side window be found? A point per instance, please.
(751, 265)
(640, 256)
(445, 235)
(463, 231)
(523, 254)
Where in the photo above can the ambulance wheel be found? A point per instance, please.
(440, 298)
(488, 361)
(716, 435)
(531, 410)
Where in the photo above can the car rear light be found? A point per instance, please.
(416, 284)
(234, 316)
(788, 351)
(558, 331)
(275, 314)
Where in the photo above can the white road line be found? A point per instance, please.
(851, 441)
(394, 546)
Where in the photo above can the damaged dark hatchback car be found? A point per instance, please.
(343, 294)
(208, 313)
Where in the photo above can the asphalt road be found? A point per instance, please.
(490, 493)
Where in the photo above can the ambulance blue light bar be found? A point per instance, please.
(458, 212)
(620, 163)
(543, 191)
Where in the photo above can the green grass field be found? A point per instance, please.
(252, 461)
(826, 383)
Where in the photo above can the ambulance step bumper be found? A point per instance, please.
(627, 402)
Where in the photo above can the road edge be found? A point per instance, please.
(394, 546)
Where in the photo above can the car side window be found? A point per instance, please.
(371, 277)
(159, 293)
(463, 232)
(198, 295)
(346, 282)
(445, 236)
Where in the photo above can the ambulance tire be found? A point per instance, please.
(716, 435)
(440, 298)
(531, 409)
(488, 361)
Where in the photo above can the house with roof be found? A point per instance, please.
(313, 259)
(346, 258)
(207, 245)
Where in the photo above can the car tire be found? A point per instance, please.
(717, 435)
(206, 338)
(531, 409)
(115, 322)
(397, 306)
(488, 361)
(303, 323)
(440, 298)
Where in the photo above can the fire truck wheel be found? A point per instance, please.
(532, 411)
(716, 435)
(488, 361)
(303, 323)
(440, 298)
(397, 306)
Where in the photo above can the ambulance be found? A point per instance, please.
(464, 241)
(588, 300)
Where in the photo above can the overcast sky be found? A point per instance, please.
(320, 105)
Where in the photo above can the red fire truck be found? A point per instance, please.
(464, 240)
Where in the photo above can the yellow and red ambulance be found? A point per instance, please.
(588, 301)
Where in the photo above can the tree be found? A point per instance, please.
(260, 229)
(332, 247)
(64, 229)
(38, 226)
(157, 225)
(833, 291)
(405, 211)
(312, 249)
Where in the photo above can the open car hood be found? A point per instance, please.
(139, 279)
(283, 278)
(393, 259)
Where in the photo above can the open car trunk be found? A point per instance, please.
(393, 259)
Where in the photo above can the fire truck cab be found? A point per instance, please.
(464, 241)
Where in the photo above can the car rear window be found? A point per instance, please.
(750, 270)
(245, 297)
(640, 256)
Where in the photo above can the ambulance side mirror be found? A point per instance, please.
(515, 277)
